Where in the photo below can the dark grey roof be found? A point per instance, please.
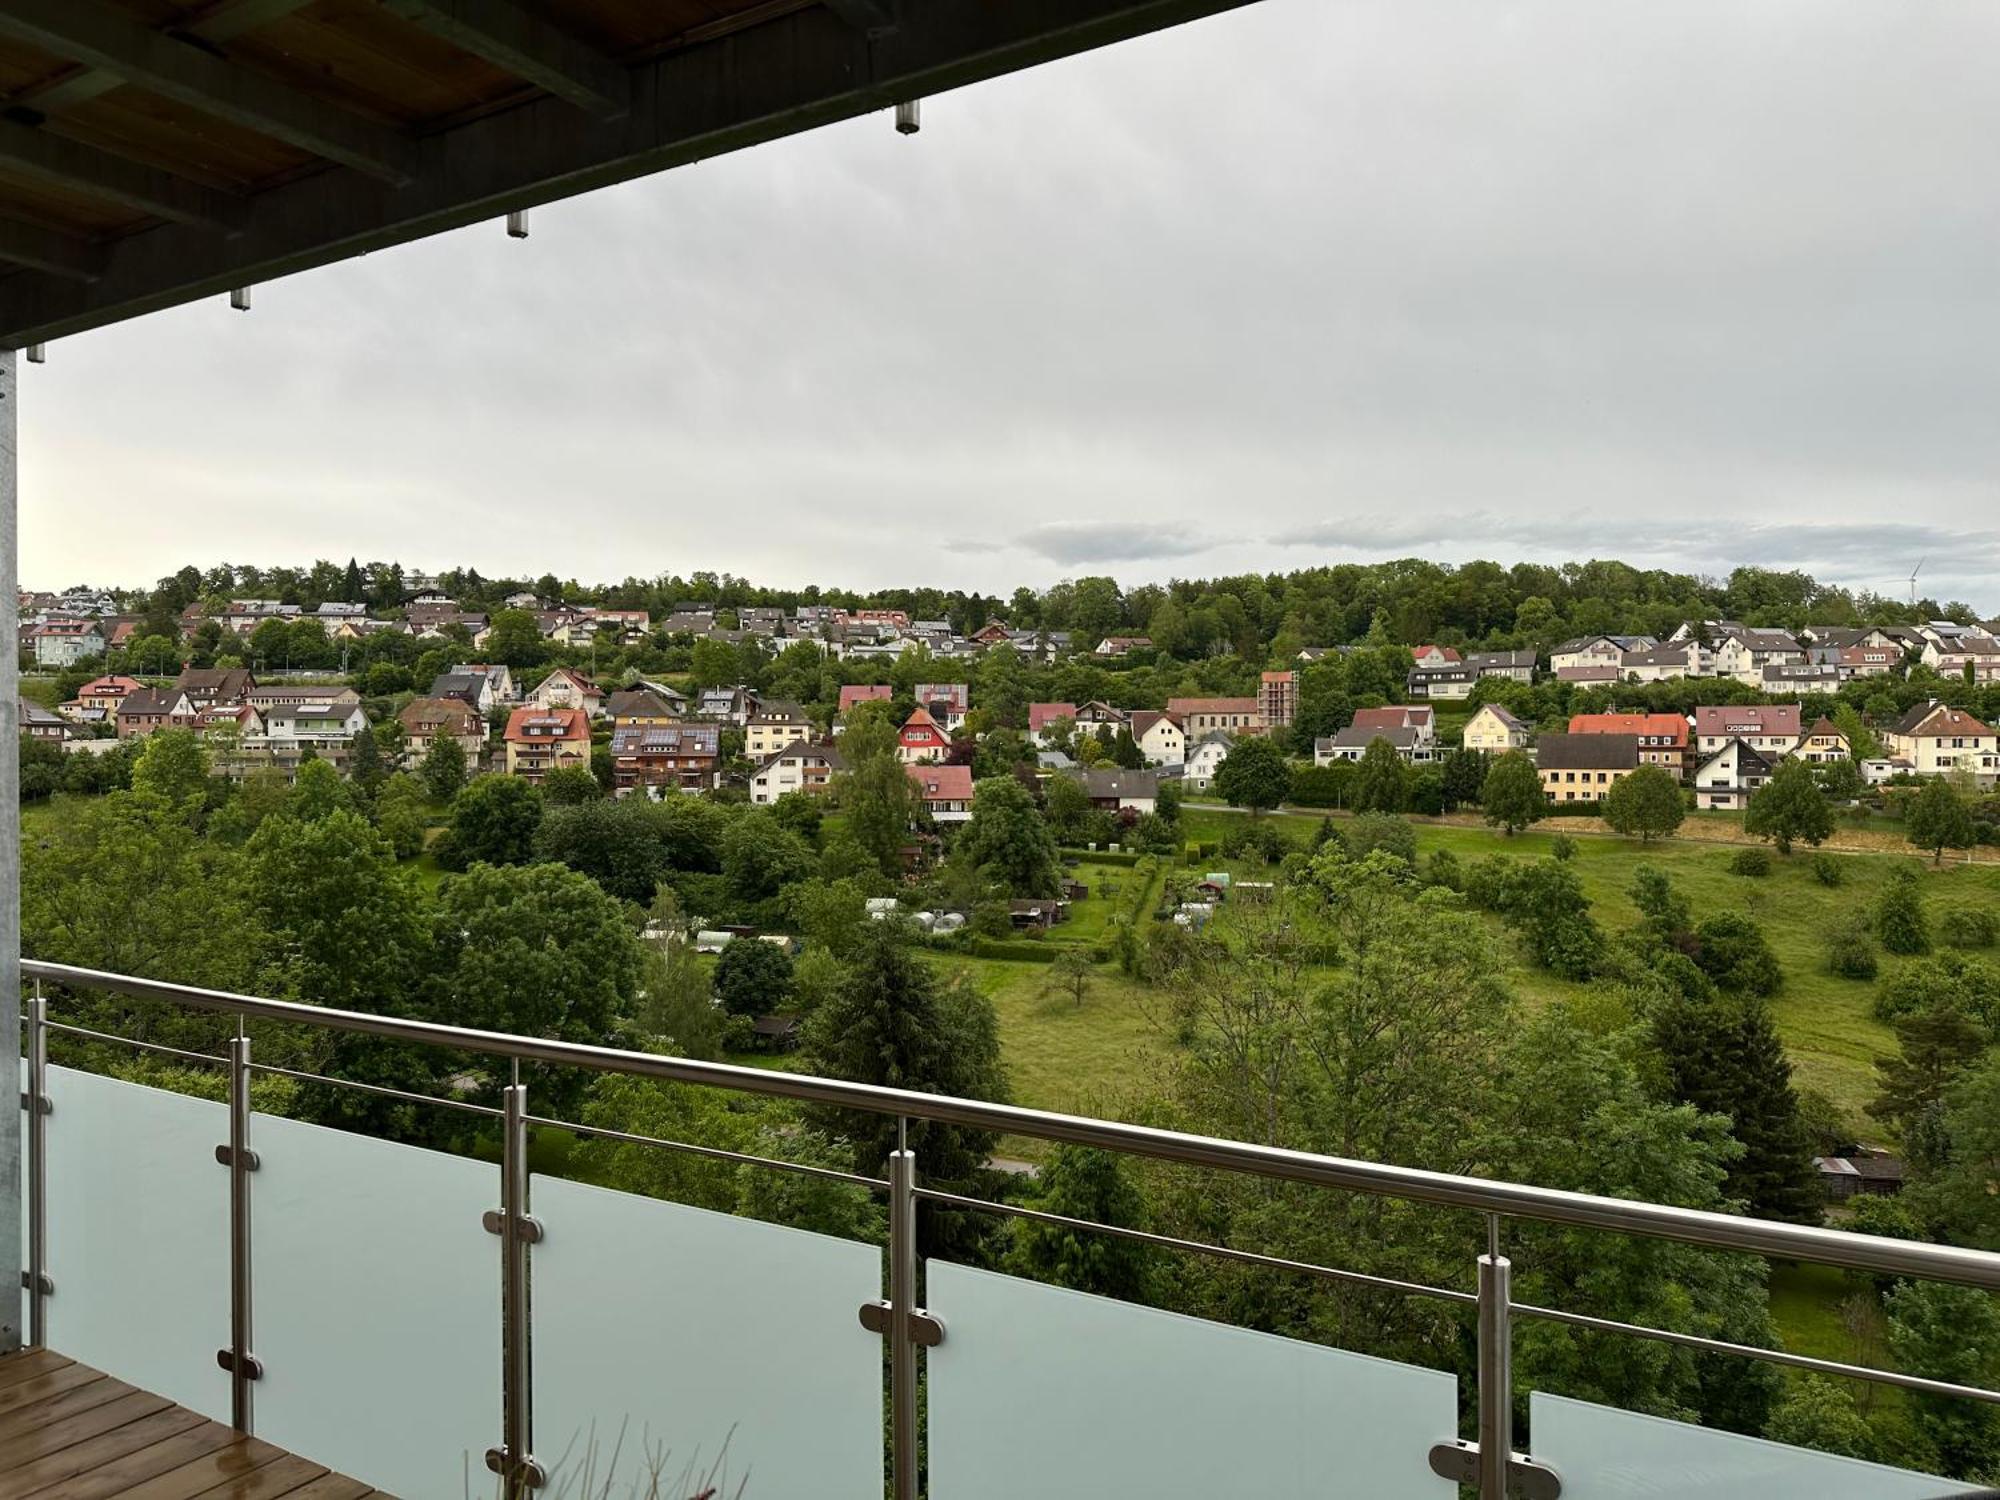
(1402, 737)
(1587, 752)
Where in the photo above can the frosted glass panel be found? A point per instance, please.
(377, 1307)
(1605, 1454)
(1041, 1391)
(689, 1330)
(139, 1236)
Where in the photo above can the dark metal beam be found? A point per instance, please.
(528, 47)
(870, 16)
(796, 73)
(50, 250)
(93, 33)
(36, 154)
(222, 22)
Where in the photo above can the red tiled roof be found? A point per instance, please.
(570, 723)
(1041, 715)
(864, 692)
(943, 783)
(1395, 716)
(1651, 726)
(1179, 706)
(1748, 718)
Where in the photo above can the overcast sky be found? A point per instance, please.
(1690, 284)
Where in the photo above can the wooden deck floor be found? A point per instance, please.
(70, 1433)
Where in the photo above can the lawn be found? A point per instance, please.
(1832, 1038)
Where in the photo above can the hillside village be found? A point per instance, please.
(515, 690)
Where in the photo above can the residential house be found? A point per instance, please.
(1277, 698)
(425, 719)
(64, 643)
(474, 689)
(947, 702)
(1863, 1172)
(1727, 779)
(327, 728)
(1494, 730)
(1352, 743)
(498, 676)
(797, 767)
(104, 694)
(1429, 658)
(1823, 742)
(1598, 651)
(1674, 659)
(1800, 676)
(864, 692)
(566, 687)
(687, 621)
(1449, 681)
(994, 633)
(626, 624)
(921, 739)
(1869, 661)
(650, 757)
(1123, 645)
(1202, 716)
(1044, 719)
(776, 724)
(730, 705)
(1974, 658)
(227, 729)
(1590, 676)
(1769, 729)
(1884, 769)
(1205, 758)
(640, 706)
(1159, 737)
(266, 697)
(541, 739)
(946, 791)
(1513, 666)
(1663, 738)
(1117, 790)
(148, 709)
(1936, 738)
(1583, 767)
(38, 723)
(207, 686)
(1420, 718)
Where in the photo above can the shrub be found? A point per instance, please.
(1442, 869)
(1850, 953)
(1827, 869)
(1899, 916)
(1562, 846)
(1254, 836)
(1384, 831)
(1969, 926)
(1752, 862)
(1950, 979)
(1731, 950)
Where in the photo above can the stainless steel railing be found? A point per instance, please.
(1488, 1463)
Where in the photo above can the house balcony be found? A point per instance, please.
(438, 1326)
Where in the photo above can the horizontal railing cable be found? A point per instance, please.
(1716, 1231)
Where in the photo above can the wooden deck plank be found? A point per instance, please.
(69, 1432)
(79, 1458)
(28, 1364)
(270, 1481)
(34, 1415)
(27, 1392)
(26, 1447)
(239, 1459)
(113, 1479)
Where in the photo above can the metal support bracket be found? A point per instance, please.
(47, 1105)
(531, 1470)
(1526, 1479)
(47, 1288)
(224, 1157)
(926, 1328)
(253, 1367)
(494, 1222)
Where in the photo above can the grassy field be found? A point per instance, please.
(1825, 1020)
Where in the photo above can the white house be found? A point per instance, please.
(799, 767)
(1769, 729)
(1729, 776)
(1159, 737)
(566, 688)
(1937, 739)
(1206, 758)
(64, 643)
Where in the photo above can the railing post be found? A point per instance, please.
(1496, 1371)
(902, 1306)
(514, 1459)
(238, 1359)
(36, 1283)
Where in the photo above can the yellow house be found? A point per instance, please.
(1583, 767)
(1495, 731)
(1822, 743)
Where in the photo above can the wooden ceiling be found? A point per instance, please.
(153, 151)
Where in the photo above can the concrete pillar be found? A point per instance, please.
(11, 1302)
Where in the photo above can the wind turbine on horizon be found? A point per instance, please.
(1912, 581)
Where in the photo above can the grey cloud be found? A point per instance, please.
(1690, 285)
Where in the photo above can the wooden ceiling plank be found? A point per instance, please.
(871, 16)
(229, 19)
(30, 152)
(518, 42)
(93, 33)
(50, 250)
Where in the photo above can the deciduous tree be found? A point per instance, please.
(1647, 803)
(1939, 819)
(1512, 793)
(1254, 775)
(1008, 841)
(1789, 808)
